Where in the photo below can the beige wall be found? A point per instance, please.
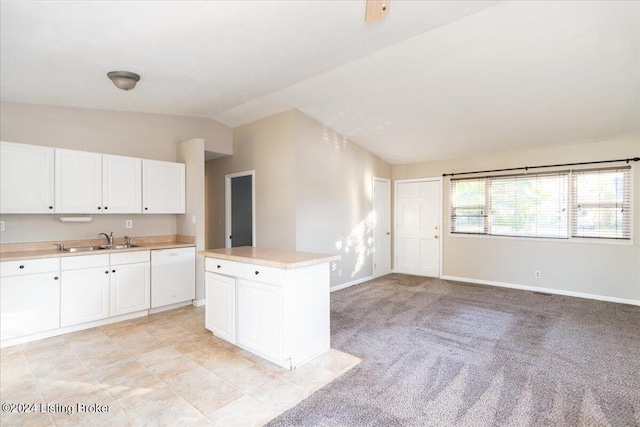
(334, 183)
(313, 190)
(150, 136)
(266, 146)
(592, 268)
(191, 153)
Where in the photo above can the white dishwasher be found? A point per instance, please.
(173, 276)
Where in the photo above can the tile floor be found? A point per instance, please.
(164, 369)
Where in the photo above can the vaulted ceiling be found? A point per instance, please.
(434, 80)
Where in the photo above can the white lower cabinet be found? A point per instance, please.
(130, 288)
(95, 287)
(29, 303)
(260, 318)
(84, 295)
(279, 314)
(220, 310)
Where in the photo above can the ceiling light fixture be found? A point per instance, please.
(124, 80)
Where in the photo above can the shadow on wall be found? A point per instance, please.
(358, 242)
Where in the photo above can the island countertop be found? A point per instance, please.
(269, 257)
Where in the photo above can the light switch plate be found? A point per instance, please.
(1, 225)
(193, 219)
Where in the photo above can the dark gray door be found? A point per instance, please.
(241, 211)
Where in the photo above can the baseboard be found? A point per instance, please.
(546, 290)
(69, 329)
(169, 307)
(199, 302)
(352, 283)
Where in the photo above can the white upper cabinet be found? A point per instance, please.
(121, 184)
(163, 185)
(78, 182)
(36, 179)
(26, 178)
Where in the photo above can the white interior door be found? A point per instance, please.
(381, 227)
(418, 224)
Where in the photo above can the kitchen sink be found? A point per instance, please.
(124, 246)
(81, 249)
(96, 248)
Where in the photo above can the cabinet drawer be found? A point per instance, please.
(87, 261)
(221, 266)
(29, 266)
(259, 273)
(130, 257)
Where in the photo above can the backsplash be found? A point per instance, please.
(48, 228)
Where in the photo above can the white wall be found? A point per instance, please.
(151, 136)
(606, 270)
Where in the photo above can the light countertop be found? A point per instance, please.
(49, 250)
(269, 257)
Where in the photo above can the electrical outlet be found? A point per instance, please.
(1, 225)
(193, 219)
(537, 274)
(128, 223)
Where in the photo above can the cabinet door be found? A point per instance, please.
(163, 187)
(220, 309)
(84, 295)
(260, 318)
(121, 184)
(29, 304)
(26, 178)
(130, 288)
(78, 182)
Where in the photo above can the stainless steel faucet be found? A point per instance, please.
(108, 236)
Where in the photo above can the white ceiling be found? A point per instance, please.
(434, 80)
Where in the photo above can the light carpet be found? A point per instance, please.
(442, 353)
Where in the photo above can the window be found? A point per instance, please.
(602, 203)
(592, 203)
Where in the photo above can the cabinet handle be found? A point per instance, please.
(106, 272)
(50, 207)
(105, 208)
(99, 208)
(257, 272)
(21, 267)
(219, 266)
(113, 271)
(146, 209)
(55, 278)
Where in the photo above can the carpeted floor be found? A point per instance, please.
(451, 354)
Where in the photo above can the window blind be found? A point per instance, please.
(586, 203)
(532, 205)
(601, 201)
(468, 213)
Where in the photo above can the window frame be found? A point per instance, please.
(570, 214)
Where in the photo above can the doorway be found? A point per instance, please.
(240, 204)
(381, 226)
(418, 226)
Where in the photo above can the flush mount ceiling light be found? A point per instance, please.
(124, 80)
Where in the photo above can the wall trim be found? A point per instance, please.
(349, 284)
(546, 290)
(199, 302)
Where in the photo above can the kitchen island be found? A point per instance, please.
(270, 302)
